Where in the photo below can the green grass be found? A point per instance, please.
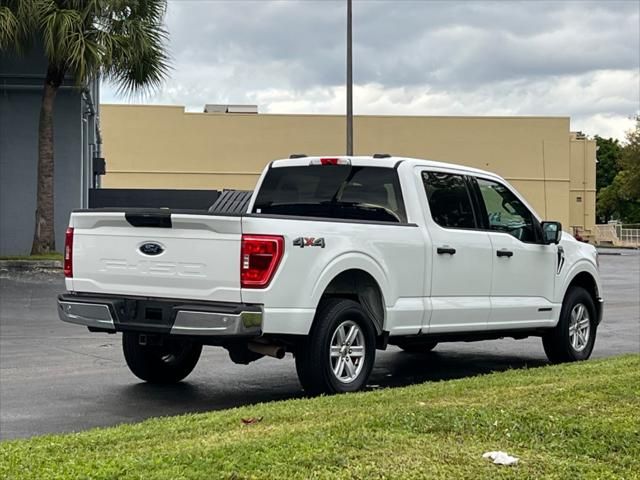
(46, 256)
(569, 421)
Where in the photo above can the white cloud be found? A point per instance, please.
(579, 59)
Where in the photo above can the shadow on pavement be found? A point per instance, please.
(405, 369)
(393, 369)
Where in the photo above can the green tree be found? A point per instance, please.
(630, 165)
(123, 41)
(609, 151)
(620, 200)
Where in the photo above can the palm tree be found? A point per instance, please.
(123, 41)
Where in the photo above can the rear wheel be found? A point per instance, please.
(339, 352)
(417, 347)
(574, 336)
(169, 362)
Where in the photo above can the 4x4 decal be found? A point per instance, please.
(308, 242)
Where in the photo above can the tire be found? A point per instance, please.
(561, 344)
(167, 363)
(326, 362)
(417, 347)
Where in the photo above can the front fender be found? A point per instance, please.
(571, 273)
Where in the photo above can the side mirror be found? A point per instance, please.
(551, 232)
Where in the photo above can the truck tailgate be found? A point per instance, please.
(157, 255)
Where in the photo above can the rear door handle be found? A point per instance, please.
(504, 253)
(444, 250)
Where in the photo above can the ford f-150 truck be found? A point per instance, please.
(334, 258)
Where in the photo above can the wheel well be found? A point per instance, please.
(360, 287)
(586, 281)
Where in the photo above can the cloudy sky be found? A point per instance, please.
(420, 57)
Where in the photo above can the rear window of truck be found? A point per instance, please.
(335, 191)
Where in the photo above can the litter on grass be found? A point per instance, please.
(251, 421)
(501, 458)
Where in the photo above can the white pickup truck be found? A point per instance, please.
(334, 258)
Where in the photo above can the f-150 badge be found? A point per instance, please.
(308, 242)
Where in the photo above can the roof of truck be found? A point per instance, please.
(388, 162)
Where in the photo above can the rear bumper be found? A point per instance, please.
(163, 316)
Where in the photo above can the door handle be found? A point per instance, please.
(505, 253)
(443, 250)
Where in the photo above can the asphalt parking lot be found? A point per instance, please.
(56, 377)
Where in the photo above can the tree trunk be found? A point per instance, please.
(44, 235)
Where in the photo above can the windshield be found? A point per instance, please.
(336, 191)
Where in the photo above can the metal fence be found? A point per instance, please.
(618, 235)
(629, 235)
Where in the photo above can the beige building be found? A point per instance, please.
(166, 147)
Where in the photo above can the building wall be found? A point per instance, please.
(166, 147)
(582, 198)
(21, 83)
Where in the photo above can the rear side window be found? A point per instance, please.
(332, 191)
(449, 200)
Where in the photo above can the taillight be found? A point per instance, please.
(259, 259)
(68, 253)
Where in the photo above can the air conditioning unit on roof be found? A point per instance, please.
(224, 108)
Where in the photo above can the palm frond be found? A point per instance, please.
(62, 35)
(17, 24)
(8, 28)
(139, 62)
(123, 39)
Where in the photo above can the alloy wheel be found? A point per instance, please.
(347, 351)
(579, 327)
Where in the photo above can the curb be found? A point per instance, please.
(26, 265)
(616, 251)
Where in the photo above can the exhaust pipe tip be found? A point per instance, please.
(275, 351)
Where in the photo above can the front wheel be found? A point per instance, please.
(339, 352)
(169, 362)
(575, 335)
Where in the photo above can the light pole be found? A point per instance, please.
(349, 84)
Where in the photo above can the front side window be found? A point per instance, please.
(505, 212)
(449, 200)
